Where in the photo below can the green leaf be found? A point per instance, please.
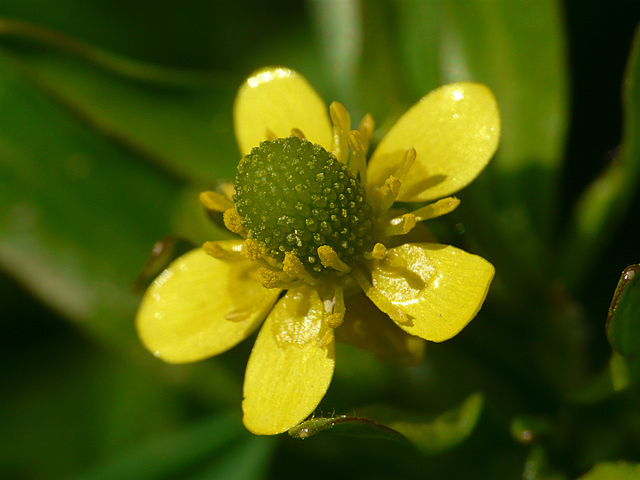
(431, 435)
(613, 471)
(606, 201)
(623, 322)
(78, 218)
(216, 448)
(181, 120)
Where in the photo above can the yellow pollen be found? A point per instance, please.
(268, 278)
(334, 320)
(252, 250)
(389, 193)
(215, 201)
(293, 266)
(330, 259)
(232, 222)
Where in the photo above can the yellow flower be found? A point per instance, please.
(322, 228)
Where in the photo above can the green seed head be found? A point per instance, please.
(294, 196)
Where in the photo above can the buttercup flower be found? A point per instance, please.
(323, 252)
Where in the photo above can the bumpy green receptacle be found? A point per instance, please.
(294, 196)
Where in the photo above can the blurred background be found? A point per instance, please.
(115, 114)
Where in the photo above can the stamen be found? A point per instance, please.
(367, 125)
(271, 136)
(341, 126)
(400, 225)
(334, 320)
(330, 259)
(437, 209)
(252, 250)
(379, 300)
(233, 223)
(296, 132)
(405, 164)
(269, 278)
(293, 266)
(215, 201)
(359, 162)
(335, 317)
(390, 191)
(378, 253)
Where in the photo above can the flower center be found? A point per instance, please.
(294, 196)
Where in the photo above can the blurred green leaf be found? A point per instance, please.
(606, 200)
(431, 435)
(217, 448)
(179, 119)
(613, 471)
(78, 218)
(623, 322)
(79, 214)
(623, 329)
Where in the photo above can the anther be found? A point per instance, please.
(296, 132)
(330, 259)
(341, 124)
(232, 222)
(252, 250)
(407, 161)
(359, 162)
(293, 266)
(334, 320)
(378, 253)
(401, 225)
(215, 201)
(437, 209)
(390, 191)
(269, 278)
(366, 128)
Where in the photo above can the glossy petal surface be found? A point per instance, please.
(455, 130)
(279, 99)
(439, 287)
(366, 327)
(182, 315)
(291, 364)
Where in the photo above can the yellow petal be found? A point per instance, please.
(291, 364)
(278, 99)
(440, 288)
(182, 315)
(366, 327)
(455, 130)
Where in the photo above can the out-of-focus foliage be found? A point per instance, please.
(115, 114)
